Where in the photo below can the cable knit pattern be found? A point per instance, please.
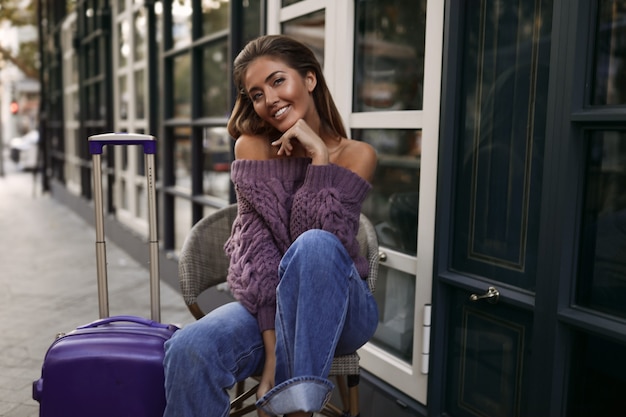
(278, 200)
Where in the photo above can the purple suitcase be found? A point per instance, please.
(112, 367)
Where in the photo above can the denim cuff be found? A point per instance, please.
(303, 393)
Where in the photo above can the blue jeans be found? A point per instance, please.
(324, 308)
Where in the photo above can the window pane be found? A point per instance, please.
(214, 16)
(123, 193)
(252, 19)
(182, 157)
(309, 29)
(501, 136)
(124, 97)
(215, 97)
(182, 222)
(74, 74)
(124, 159)
(609, 81)
(392, 204)
(141, 33)
(124, 43)
(216, 143)
(602, 274)
(395, 296)
(93, 102)
(140, 94)
(598, 377)
(141, 203)
(389, 55)
(181, 22)
(182, 86)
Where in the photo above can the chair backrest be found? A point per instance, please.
(203, 264)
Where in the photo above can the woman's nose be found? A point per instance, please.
(271, 98)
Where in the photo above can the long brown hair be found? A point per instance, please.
(296, 55)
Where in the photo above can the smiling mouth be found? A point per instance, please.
(280, 112)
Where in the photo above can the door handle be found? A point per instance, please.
(492, 296)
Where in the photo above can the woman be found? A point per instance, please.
(295, 268)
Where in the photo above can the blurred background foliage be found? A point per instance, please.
(20, 13)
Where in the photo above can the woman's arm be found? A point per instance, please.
(330, 199)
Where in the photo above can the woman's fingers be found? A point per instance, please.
(285, 145)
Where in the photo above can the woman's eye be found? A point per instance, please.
(279, 81)
(256, 96)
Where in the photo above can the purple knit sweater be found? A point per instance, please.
(278, 200)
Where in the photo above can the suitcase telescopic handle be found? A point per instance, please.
(97, 142)
(131, 319)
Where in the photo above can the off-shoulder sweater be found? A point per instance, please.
(278, 200)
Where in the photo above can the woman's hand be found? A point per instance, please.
(266, 384)
(269, 368)
(314, 147)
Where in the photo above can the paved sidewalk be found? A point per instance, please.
(48, 284)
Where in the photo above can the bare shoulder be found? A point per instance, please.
(252, 147)
(359, 157)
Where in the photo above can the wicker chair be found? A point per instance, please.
(203, 264)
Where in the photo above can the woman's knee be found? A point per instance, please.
(317, 237)
(316, 258)
(316, 245)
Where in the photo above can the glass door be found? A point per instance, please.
(395, 108)
(383, 67)
(490, 198)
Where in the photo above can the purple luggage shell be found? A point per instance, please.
(112, 367)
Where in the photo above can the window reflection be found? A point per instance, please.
(182, 157)
(392, 203)
(602, 274)
(216, 144)
(609, 82)
(389, 55)
(214, 16)
(123, 203)
(252, 19)
(141, 31)
(395, 296)
(503, 94)
(215, 97)
(182, 86)
(182, 221)
(140, 94)
(181, 22)
(598, 376)
(141, 202)
(124, 97)
(309, 29)
(124, 43)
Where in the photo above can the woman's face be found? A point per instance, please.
(279, 94)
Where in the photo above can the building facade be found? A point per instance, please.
(499, 199)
